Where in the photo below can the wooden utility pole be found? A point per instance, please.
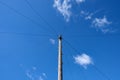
(60, 74)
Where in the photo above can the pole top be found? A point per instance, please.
(60, 37)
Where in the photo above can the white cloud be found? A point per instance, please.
(89, 17)
(83, 60)
(40, 78)
(33, 74)
(34, 68)
(86, 15)
(44, 74)
(80, 1)
(63, 7)
(29, 75)
(52, 41)
(102, 24)
(83, 13)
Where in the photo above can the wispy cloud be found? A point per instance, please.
(80, 1)
(63, 6)
(83, 13)
(84, 60)
(86, 15)
(102, 24)
(34, 68)
(44, 74)
(29, 75)
(40, 78)
(52, 41)
(33, 75)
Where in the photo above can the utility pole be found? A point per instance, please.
(60, 74)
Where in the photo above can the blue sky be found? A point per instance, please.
(29, 32)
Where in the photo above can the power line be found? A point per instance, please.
(27, 34)
(19, 13)
(46, 28)
(101, 72)
(98, 70)
(93, 35)
(51, 27)
(68, 43)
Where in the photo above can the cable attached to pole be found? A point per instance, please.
(19, 13)
(50, 27)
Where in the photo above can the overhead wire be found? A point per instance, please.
(101, 72)
(98, 70)
(77, 52)
(19, 13)
(71, 46)
(44, 28)
(93, 35)
(26, 34)
(95, 67)
(50, 26)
